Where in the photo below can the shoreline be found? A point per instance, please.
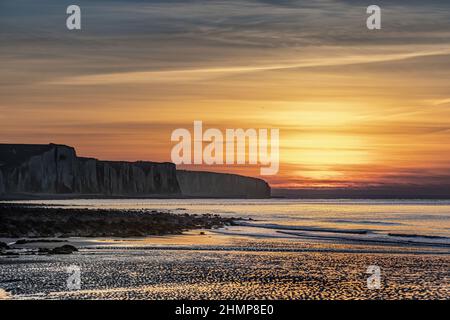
(49, 197)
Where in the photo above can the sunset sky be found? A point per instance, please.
(354, 107)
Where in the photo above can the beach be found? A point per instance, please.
(266, 255)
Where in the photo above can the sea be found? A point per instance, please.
(381, 222)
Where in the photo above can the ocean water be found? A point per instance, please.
(388, 222)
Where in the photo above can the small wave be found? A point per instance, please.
(304, 228)
(406, 235)
(369, 222)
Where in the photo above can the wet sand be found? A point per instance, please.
(220, 266)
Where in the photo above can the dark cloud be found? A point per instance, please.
(136, 32)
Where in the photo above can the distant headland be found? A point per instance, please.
(55, 171)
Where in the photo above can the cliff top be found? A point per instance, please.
(14, 154)
(140, 163)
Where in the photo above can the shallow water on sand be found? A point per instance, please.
(172, 274)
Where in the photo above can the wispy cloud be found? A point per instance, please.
(207, 73)
(340, 94)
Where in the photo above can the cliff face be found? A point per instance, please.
(219, 185)
(56, 169)
(125, 178)
(36, 168)
(2, 184)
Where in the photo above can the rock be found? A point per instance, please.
(49, 222)
(65, 249)
(26, 241)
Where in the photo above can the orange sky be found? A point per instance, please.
(354, 108)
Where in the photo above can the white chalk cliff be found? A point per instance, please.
(56, 169)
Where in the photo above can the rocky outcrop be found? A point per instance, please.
(17, 221)
(220, 185)
(56, 169)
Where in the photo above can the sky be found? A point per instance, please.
(355, 107)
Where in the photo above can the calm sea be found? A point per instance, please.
(390, 221)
